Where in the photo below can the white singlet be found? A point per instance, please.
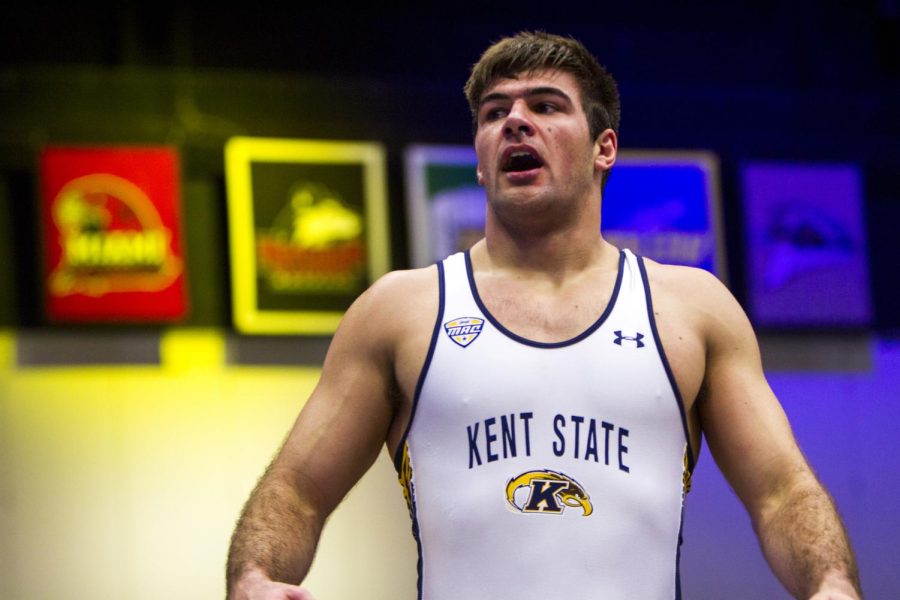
(540, 471)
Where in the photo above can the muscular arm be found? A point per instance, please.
(335, 439)
(751, 440)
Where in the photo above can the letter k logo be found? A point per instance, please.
(543, 496)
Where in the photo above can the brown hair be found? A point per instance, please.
(527, 52)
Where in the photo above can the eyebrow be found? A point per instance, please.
(545, 90)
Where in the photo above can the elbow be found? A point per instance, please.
(783, 497)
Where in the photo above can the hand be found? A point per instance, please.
(254, 585)
(836, 587)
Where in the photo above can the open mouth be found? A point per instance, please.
(521, 159)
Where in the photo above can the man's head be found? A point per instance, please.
(528, 52)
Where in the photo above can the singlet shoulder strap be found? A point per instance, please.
(633, 296)
(458, 297)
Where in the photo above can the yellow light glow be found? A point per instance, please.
(182, 349)
(111, 476)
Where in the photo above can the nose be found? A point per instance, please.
(517, 122)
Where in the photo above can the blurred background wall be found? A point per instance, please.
(126, 452)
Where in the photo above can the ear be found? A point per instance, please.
(606, 148)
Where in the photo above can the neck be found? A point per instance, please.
(554, 253)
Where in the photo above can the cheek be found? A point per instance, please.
(482, 153)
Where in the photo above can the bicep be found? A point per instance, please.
(341, 428)
(746, 428)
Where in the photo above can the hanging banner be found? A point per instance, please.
(112, 234)
(308, 231)
(445, 205)
(807, 249)
(663, 205)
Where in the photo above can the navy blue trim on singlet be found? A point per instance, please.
(665, 362)
(398, 453)
(678, 556)
(596, 325)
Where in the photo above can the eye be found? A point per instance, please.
(545, 108)
(493, 113)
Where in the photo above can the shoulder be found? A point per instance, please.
(698, 295)
(400, 289)
(394, 299)
(683, 281)
(408, 280)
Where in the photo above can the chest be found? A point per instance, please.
(586, 350)
(545, 311)
(617, 321)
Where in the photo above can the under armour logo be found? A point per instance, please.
(636, 338)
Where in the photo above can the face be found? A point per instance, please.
(533, 144)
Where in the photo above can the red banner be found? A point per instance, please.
(112, 238)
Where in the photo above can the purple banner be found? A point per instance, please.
(807, 257)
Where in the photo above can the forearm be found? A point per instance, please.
(806, 544)
(276, 534)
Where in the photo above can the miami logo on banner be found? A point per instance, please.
(112, 234)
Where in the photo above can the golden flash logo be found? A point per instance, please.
(548, 492)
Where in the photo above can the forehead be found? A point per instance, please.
(529, 80)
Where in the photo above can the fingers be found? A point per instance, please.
(299, 593)
(263, 589)
(283, 591)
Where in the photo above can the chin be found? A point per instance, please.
(522, 202)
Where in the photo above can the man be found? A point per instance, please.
(545, 393)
